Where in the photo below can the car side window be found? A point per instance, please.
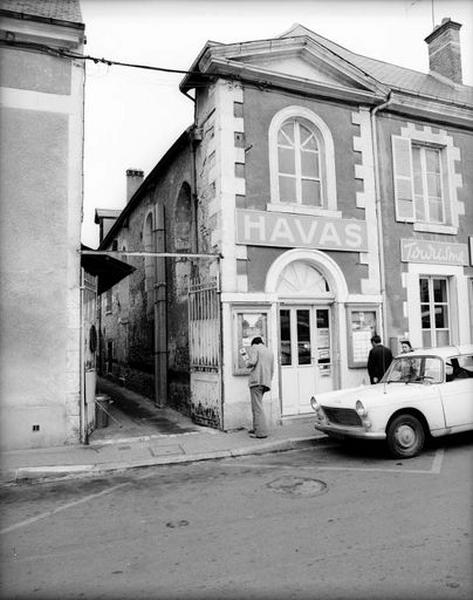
(433, 370)
(459, 367)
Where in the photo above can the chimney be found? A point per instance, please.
(444, 50)
(134, 178)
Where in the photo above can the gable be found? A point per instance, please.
(298, 63)
(304, 67)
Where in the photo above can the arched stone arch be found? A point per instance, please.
(320, 261)
(182, 222)
(182, 229)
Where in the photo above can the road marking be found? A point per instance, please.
(434, 470)
(50, 513)
(438, 459)
(375, 469)
(319, 468)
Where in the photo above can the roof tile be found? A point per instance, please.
(62, 10)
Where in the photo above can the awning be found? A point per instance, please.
(109, 270)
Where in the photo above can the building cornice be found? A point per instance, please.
(57, 34)
(266, 78)
(29, 17)
(435, 110)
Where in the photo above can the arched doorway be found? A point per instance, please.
(309, 285)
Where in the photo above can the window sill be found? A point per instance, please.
(436, 228)
(304, 210)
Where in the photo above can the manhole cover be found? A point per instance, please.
(298, 486)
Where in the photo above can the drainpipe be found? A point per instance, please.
(195, 229)
(160, 316)
(378, 209)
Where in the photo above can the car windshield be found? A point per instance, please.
(415, 369)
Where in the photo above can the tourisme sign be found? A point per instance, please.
(439, 253)
(265, 228)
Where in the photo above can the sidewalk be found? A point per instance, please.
(112, 449)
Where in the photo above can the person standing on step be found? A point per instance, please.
(260, 360)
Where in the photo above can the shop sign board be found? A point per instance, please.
(289, 230)
(439, 253)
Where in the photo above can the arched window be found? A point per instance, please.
(182, 225)
(302, 277)
(183, 220)
(302, 162)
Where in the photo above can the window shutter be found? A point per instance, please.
(447, 203)
(403, 175)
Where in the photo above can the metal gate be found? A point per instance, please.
(205, 352)
(89, 346)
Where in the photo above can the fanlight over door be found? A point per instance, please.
(301, 278)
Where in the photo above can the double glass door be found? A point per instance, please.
(305, 354)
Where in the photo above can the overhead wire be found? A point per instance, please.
(205, 78)
(62, 52)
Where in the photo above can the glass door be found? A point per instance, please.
(305, 356)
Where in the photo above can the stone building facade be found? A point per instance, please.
(331, 195)
(41, 112)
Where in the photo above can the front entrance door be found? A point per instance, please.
(306, 356)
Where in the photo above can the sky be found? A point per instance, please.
(133, 116)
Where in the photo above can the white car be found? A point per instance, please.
(423, 393)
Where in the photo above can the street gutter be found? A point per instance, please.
(44, 474)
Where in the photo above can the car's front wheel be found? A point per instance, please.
(405, 436)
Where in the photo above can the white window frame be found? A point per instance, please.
(450, 180)
(432, 305)
(326, 161)
(460, 327)
(425, 196)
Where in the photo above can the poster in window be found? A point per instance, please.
(362, 325)
(249, 324)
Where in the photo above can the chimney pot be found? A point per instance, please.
(444, 50)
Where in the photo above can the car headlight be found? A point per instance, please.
(315, 405)
(363, 414)
(319, 411)
(360, 409)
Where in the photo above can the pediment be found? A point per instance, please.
(304, 65)
(298, 62)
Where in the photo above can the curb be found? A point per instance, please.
(46, 474)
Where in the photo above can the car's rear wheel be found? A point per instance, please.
(405, 436)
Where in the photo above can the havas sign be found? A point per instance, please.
(422, 251)
(261, 228)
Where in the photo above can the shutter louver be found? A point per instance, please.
(403, 185)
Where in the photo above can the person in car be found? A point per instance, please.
(406, 346)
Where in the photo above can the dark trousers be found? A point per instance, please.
(259, 420)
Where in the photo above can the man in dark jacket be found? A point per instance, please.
(379, 359)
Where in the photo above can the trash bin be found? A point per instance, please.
(102, 409)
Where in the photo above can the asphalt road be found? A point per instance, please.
(331, 523)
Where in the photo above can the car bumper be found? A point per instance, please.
(344, 431)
